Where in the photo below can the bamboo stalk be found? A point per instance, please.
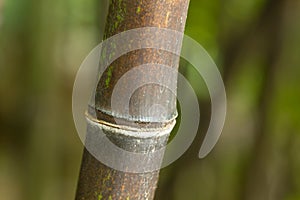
(96, 180)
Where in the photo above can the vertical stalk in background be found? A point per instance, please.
(96, 180)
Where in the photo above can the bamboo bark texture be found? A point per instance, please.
(142, 127)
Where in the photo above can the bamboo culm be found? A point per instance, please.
(96, 180)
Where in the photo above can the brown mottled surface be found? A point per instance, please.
(125, 15)
(97, 181)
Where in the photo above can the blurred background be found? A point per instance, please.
(255, 43)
